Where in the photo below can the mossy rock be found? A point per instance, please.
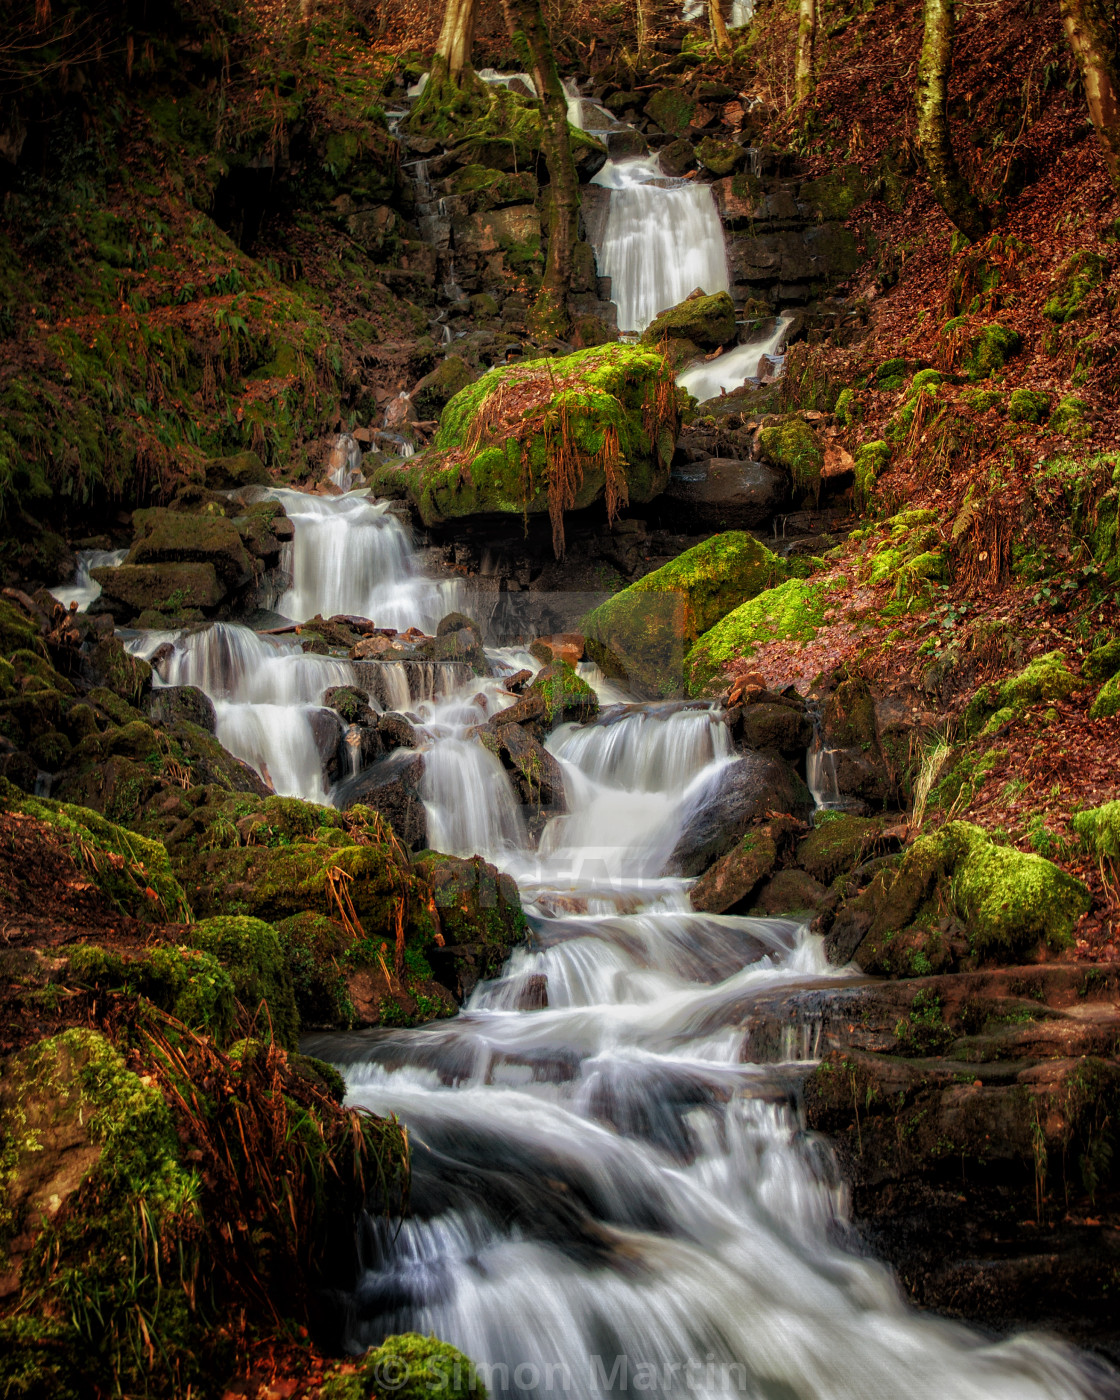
(720, 158)
(705, 321)
(642, 634)
(836, 194)
(174, 537)
(871, 460)
(1103, 662)
(484, 189)
(892, 374)
(791, 894)
(792, 445)
(1046, 678)
(982, 400)
(314, 949)
(236, 471)
(436, 389)
(1107, 702)
(1028, 406)
(18, 632)
(411, 1367)
(1081, 273)
(187, 983)
(75, 1122)
(131, 871)
(604, 420)
(1009, 903)
(252, 953)
(1069, 417)
(568, 699)
(837, 844)
(135, 588)
(793, 611)
(672, 110)
(990, 349)
(1098, 829)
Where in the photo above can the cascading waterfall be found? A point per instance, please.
(84, 590)
(732, 369)
(607, 1192)
(663, 239)
(352, 556)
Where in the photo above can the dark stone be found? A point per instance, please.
(392, 787)
(677, 159)
(755, 786)
(775, 725)
(172, 703)
(625, 143)
(726, 494)
(395, 732)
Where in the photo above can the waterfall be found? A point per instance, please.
(663, 239)
(742, 12)
(733, 368)
(83, 590)
(345, 462)
(353, 556)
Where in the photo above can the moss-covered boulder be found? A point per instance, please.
(705, 321)
(641, 635)
(547, 436)
(1028, 406)
(1046, 678)
(793, 611)
(792, 445)
(672, 110)
(436, 389)
(315, 949)
(837, 844)
(565, 695)
(480, 918)
(1103, 662)
(1069, 417)
(990, 348)
(1009, 904)
(412, 1367)
(133, 872)
(1081, 273)
(175, 537)
(167, 588)
(233, 472)
(871, 460)
(186, 982)
(720, 158)
(253, 955)
(1107, 700)
(736, 875)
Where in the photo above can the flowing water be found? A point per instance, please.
(83, 590)
(663, 240)
(732, 369)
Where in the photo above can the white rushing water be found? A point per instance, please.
(84, 590)
(733, 368)
(608, 1194)
(663, 240)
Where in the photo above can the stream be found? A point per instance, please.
(612, 1189)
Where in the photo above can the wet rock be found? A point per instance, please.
(773, 723)
(537, 777)
(480, 919)
(168, 536)
(171, 704)
(350, 704)
(838, 843)
(391, 786)
(433, 391)
(707, 321)
(396, 732)
(232, 473)
(132, 588)
(561, 646)
(791, 893)
(625, 143)
(735, 877)
(677, 159)
(724, 493)
(752, 787)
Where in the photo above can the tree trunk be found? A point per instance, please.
(456, 38)
(806, 43)
(1091, 28)
(550, 311)
(935, 145)
(720, 37)
(642, 18)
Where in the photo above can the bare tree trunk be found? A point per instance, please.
(1091, 28)
(720, 37)
(456, 37)
(950, 188)
(642, 20)
(550, 311)
(806, 44)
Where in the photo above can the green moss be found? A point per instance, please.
(409, 1366)
(707, 322)
(642, 634)
(792, 445)
(1098, 829)
(314, 948)
(891, 375)
(610, 408)
(566, 694)
(253, 955)
(1028, 406)
(791, 612)
(990, 349)
(1103, 662)
(672, 110)
(1047, 677)
(1069, 417)
(871, 460)
(131, 871)
(836, 194)
(720, 158)
(103, 1280)
(189, 984)
(1107, 702)
(837, 844)
(1080, 274)
(981, 400)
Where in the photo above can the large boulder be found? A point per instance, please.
(546, 436)
(724, 493)
(719, 817)
(435, 389)
(792, 611)
(174, 537)
(641, 635)
(391, 786)
(706, 321)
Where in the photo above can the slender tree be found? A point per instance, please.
(456, 39)
(550, 312)
(935, 146)
(720, 37)
(806, 44)
(1093, 30)
(454, 93)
